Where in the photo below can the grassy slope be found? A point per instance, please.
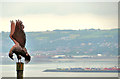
(85, 42)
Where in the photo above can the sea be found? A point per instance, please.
(36, 69)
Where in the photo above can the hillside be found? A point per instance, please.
(68, 42)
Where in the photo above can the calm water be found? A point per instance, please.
(35, 70)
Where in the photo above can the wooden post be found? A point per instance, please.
(19, 68)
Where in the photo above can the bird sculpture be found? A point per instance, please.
(18, 36)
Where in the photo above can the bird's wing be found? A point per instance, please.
(19, 34)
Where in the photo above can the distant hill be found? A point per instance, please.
(68, 42)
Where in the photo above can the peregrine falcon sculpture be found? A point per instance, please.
(18, 36)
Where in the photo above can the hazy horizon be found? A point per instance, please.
(64, 29)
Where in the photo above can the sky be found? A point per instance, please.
(42, 16)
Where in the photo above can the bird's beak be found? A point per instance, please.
(11, 56)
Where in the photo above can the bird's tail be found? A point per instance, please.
(27, 58)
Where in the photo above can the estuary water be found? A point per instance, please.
(36, 70)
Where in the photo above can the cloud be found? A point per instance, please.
(59, 8)
(73, 21)
(41, 16)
